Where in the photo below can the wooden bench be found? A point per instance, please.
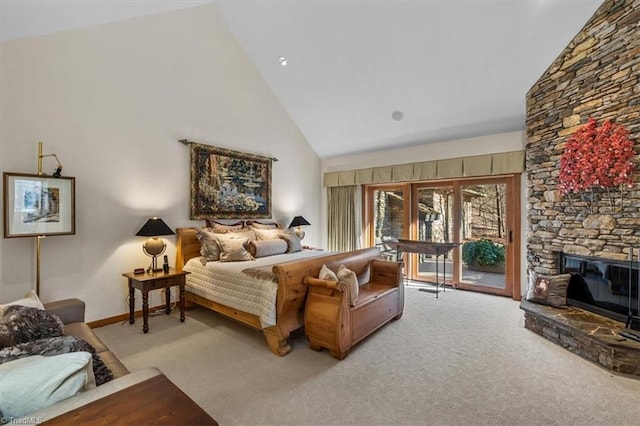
(331, 323)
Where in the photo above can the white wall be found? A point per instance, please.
(111, 101)
(503, 142)
(491, 144)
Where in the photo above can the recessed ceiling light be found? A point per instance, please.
(397, 115)
(283, 61)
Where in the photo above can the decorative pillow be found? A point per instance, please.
(548, 290)
(35, 382)
(224, 227)
(22, 324)
(294, 243)
(327, 274)
(267, 234)
(349, 278)
(267, 247)
(209, 249)
(365, 275)
(30, 299)
(261, 225)
(210, 242)
(233, 249)
(248, 233)
(55, 346)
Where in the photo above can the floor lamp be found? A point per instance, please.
(39, 205)
(56, 174)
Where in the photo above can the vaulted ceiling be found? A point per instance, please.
(451, 69)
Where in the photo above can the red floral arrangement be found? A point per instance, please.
(596, 156)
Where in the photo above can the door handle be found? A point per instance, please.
(510, 236)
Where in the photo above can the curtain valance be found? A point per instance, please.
(479, 165)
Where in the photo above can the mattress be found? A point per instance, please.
(227, 283)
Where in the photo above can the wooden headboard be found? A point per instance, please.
(188, 246)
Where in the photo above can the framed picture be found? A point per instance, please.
(229, 184)
(37, 205)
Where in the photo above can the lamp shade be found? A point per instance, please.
(154, 227)
(298, 221)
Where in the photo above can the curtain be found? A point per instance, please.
(344, 218)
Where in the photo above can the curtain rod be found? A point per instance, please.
(188, 142)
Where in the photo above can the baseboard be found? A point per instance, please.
(123, 317)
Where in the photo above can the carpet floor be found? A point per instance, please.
(462, 359)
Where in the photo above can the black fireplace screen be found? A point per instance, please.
(604, 286)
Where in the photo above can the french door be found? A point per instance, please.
(483, 214)
(434, 220)
(387, 215)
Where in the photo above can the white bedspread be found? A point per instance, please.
(225, 283)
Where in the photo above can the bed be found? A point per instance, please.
(258, 293)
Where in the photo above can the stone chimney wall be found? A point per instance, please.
(597, 75)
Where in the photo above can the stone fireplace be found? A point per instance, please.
(597, 75)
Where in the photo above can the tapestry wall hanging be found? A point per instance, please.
(229, 184)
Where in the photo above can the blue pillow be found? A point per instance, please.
(32, 383)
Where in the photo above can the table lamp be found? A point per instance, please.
(154, 246)
(297, 222)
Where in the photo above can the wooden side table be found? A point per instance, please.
(152, 281)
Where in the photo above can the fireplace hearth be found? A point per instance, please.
(592, 336)
(602, 296)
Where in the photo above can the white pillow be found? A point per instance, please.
(35, 382)
(267, 234)
(210, 245)
(30, 300)
(327, 274)
(209, 249)
(234, 249)
(348, 277)
(294, 244)
(265, 248)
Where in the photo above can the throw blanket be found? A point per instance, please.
(22, 324)
(55, 346)
(264, 273)
(49, 346)
(26, 331)
(229, 284)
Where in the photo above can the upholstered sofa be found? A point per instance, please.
(72, 313)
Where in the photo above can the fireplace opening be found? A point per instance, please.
(603, 286)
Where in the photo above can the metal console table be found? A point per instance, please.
(425, 247)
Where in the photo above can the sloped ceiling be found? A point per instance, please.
(453, 68)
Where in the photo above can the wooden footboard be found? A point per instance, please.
(291, 293)
(189, 247)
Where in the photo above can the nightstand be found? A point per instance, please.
(153, 281)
